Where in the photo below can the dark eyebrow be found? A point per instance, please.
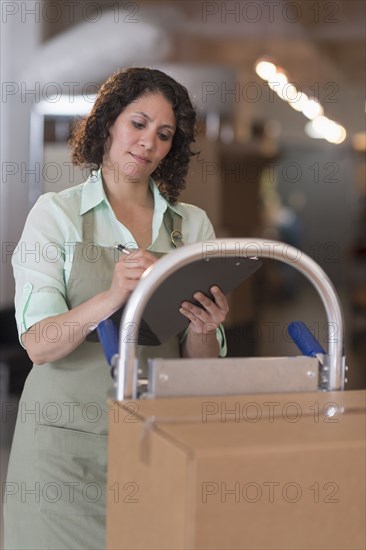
(149, 118)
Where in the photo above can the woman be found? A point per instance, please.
(137, 139)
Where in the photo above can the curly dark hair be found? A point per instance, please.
(90, 134)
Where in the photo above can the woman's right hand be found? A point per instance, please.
(127, 273)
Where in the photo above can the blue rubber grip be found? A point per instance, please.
(108, 336)
(304, 339)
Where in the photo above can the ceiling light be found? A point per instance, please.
(277, 81)
(329, 130)
(291, 93)
(320, 126)
(265, 69)
(299, 102)
(311, 131)
(338, 135)
(312, 109)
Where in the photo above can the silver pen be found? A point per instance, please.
(123, 249)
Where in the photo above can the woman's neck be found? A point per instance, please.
(124, 191)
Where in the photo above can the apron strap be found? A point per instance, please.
(173, 224)
(88, 226)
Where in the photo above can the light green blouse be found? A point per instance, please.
(43, 257)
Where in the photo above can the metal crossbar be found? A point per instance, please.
(261, 248)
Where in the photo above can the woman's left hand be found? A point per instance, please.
(208, 319)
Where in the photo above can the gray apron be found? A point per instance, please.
(55, 491)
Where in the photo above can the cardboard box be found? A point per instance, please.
(268, 471)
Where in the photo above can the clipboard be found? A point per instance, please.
(161, 318)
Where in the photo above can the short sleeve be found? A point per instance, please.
(38, 266)
(221, 338)
(208, 231)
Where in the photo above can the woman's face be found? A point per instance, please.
(140, 138)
